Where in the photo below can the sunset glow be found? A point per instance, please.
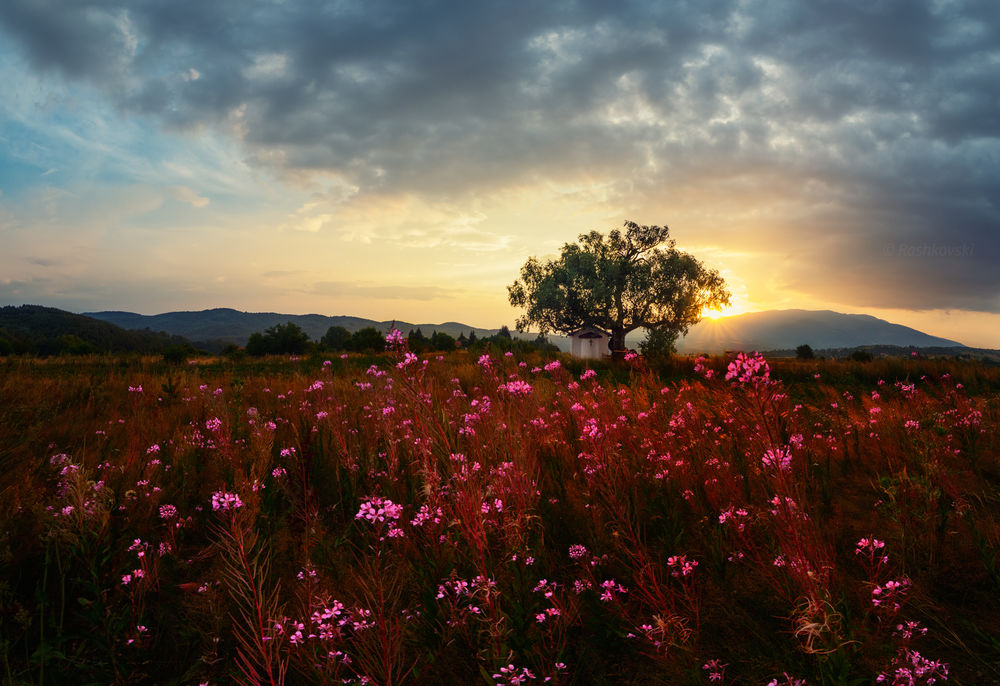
(385, 161)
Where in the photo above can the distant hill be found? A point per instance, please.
(983, 355)
(50, 331)
(786, 329)
(233, 326)
(770, 330)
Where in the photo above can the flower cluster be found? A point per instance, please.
(378, 510)
(512, 675)
(890, 594)
(779, 459)
(222, 500)
(701, 368)
(516, 387)
(747, 369)
(872, 548)
(716, 670)
(680, 565)
(611, 587)
(426, 514)
(910, 668)
(394, 340)
(408, 359)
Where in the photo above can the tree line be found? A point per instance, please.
(290, 339)
(44, 331)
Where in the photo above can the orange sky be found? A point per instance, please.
(387, 162)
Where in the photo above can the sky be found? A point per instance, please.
(401, 160)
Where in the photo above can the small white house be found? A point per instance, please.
(590, 343)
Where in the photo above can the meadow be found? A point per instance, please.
(497, 519)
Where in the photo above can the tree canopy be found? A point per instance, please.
(280, 339)
(619, 282)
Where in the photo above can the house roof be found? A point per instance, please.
(589, 332)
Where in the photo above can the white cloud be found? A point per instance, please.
(185, 194)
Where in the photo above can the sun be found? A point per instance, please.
(734, 308)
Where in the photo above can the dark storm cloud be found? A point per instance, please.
(891, 107)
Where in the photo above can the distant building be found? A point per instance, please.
(590, 343)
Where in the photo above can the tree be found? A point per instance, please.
(619, 282)
(416, 341)
(368, 340)
(336, 338)
(442, 341)
(280, 339)
(804, 352)
(861, 356)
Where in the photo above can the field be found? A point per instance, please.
(460, 520)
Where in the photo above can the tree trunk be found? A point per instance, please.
(617, 343)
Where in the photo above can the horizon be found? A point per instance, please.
(379, 159)
(418, 322)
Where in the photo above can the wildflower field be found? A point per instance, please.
(457, 519)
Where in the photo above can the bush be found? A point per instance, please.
(659, 343)
(175, 354)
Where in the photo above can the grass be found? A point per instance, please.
(498, 521)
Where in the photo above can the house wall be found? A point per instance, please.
(590, 348)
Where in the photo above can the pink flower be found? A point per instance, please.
(749, 369)
(516, 387)
(377, 509)
(778, 458)
(680, 565)
(222, 500)
(394, 340)
(407, 360)
(716, 670)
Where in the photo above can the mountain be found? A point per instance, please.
(770, 330)
(233, 326)
(50, 331)
(820, 329)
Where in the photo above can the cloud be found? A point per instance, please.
(44, 262)
(823, 131)
(403, 219)
(381, 292)
(185, 194)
